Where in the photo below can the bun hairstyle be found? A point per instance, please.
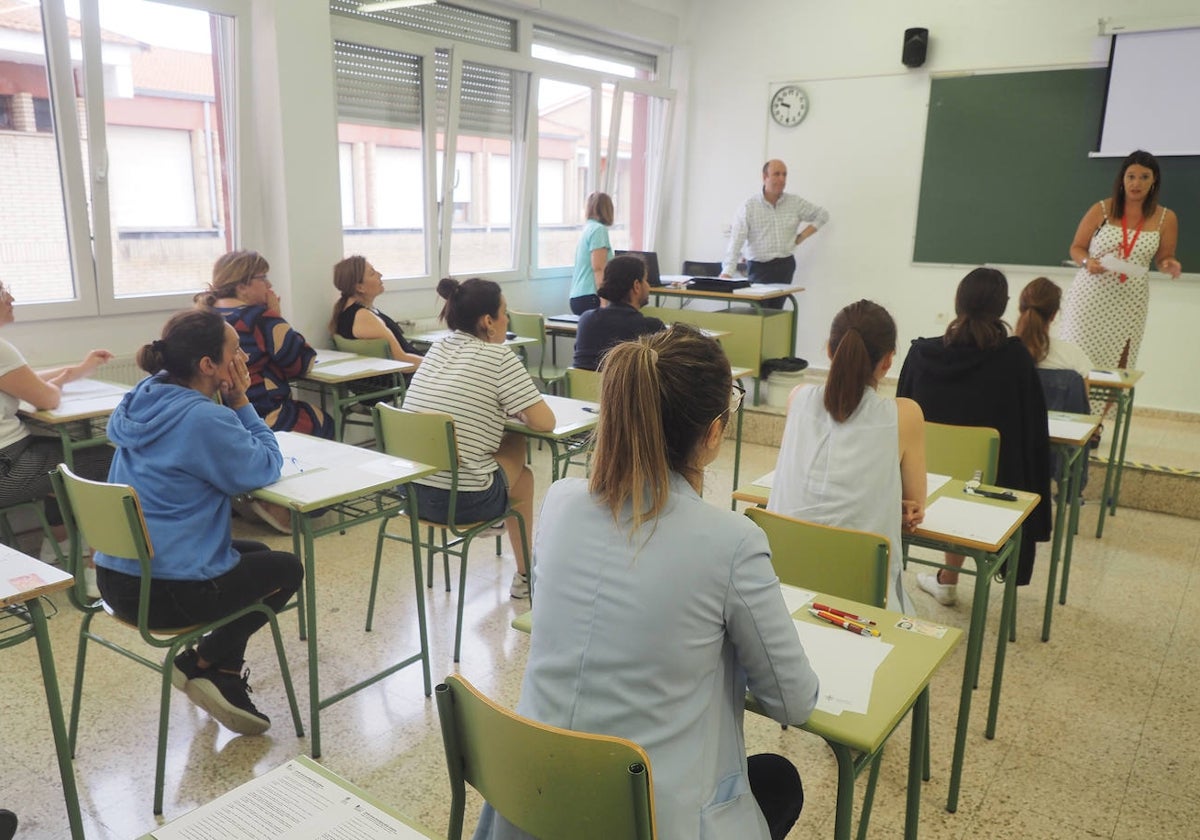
(187, 337)
(620, 273)
(600, 208)
(467, 302)
(1150, 203)
(860, 336)
(236, 268)
(659, 396)
(979, 305)
(1039, 304)
(347, 274)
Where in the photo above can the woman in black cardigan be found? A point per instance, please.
(978, 375)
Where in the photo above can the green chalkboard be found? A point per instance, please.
(1007, 176)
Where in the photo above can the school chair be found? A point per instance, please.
(546, 781)
(388, 387)
(959, 451)
(834, 561)
(533, 325)
(109, 518)
(428, 438)
(581, 385)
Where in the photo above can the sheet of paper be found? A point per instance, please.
(767, 480)
(327, 356)
(292, 802)
(1069, 429)
(1114, 263)
(796, 598)
(1105, 376)
(934, 482)
(969, 520)
(570, 414)
(93, 388)
(86, 405)
(358, 365)
(845, 663)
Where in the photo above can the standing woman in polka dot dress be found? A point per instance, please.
(1104, 312)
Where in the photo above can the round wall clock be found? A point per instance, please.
(789, 105)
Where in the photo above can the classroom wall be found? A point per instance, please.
(859, 152)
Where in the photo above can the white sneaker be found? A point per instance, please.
(520, 586)
(90, 588)
(945, 594)
(47, 553)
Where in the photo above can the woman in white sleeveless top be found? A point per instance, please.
(849, 457)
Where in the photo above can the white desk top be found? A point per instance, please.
(352, 367)
(1073, 429)
(571, 417)
(81, 399)
(318, 472)
(23, 578)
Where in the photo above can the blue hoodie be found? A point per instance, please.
(186, 455)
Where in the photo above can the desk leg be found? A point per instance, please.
(66, 769)
(737, 451)
(1076, 492)
(1116, 493)
(1111, 469)
(1008, 619)
(970, 675)
(844, 808)
(916, 762)
(415, 535)
(302, 524)
(1066, 490)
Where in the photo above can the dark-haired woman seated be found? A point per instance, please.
(186, 455)
(355, 316)
(474, 378)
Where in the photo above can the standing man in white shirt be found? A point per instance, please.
(769, 226)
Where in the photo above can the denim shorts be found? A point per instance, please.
(433, 503)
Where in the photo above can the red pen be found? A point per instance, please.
(844, 614)
(844, 623)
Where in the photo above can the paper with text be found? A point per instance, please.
(970, 520)
(845, 663)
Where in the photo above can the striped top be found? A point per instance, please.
(479, 385)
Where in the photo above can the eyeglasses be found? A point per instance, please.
(254, 277)
(737, 397)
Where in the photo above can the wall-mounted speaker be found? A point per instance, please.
(916, 42)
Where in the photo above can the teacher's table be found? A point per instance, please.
(1069, 436)
(81, 416)
(1115, 386)
(23, 582)
(572, 420)
(988, 530)
(900, 683)
(755, 333)
(321, 474)
(335, 373)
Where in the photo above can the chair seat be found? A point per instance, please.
(165, 632)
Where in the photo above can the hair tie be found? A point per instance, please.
(159, 346)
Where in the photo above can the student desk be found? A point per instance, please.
(320, 474)
(991, 556)
(570, 328)
(335, 372)
(429, 338)
(1115, 386)
(298, 798)
(1069, 436)
(572, 419)
(23, 582)
(901, 684)
(81, 416)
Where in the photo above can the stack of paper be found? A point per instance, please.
(845, 663)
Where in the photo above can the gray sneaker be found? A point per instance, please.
(520, 586)
(226, 696)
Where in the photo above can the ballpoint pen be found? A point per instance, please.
(842, 613)
(844, 623)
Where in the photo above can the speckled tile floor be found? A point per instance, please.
(1097, 734)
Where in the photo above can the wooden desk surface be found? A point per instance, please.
(82, 399)
(23, 578)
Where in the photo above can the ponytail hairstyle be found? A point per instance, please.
(659, 396)
(347, 274)
(620, 275)
(467, 302)
(1039, 304)
(187, 337)
(861, 335)
(979, 307)
(231, 270)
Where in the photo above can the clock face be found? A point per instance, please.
(789, 105)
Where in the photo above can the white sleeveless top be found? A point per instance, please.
(844, 474)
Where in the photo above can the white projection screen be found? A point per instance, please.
(1153, 98)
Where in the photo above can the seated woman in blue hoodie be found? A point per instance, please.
(186, 455)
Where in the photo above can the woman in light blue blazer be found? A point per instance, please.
(655, 610)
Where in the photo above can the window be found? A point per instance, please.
(6, 113)
(141, 87)
(564, 168)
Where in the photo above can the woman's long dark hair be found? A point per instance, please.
(979, 307)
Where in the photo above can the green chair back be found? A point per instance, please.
(583, 384)
(427, 438)
(958, 451)
(375, 347)
(835, 561)
(533, 325)
(547, 781)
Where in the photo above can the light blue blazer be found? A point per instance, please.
(656, 639)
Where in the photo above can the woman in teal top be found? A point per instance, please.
(593, 253)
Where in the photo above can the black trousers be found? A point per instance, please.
(583, 303)
(776, 786)
(781, 271)
(261, 575)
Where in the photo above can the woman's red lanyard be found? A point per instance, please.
(1126, 244)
